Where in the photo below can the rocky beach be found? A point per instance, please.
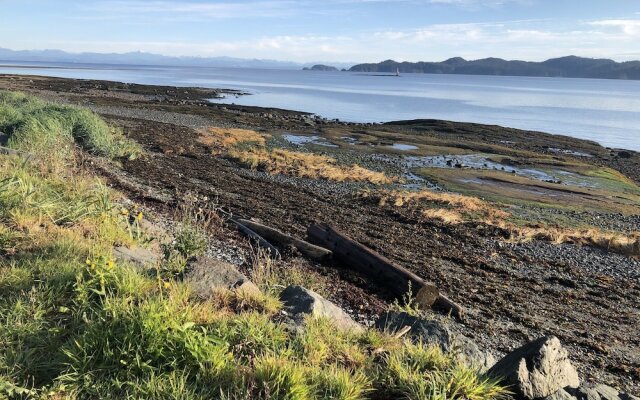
(534, 235)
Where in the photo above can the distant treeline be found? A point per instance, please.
(568, 67)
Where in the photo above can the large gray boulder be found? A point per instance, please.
(538, 369)
(207, 274)
(299, 302)
(432, 332)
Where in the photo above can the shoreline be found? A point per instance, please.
(220, 93)
(610, 133)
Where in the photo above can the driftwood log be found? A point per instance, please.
(375, 265)
(262, 242)
(372, 264)
(275, 236)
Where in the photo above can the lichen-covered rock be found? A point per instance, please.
(538, 369)
(300, 302)
(206, 274)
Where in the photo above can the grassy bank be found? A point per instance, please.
(76, 324)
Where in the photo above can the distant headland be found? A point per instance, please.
(567, 67)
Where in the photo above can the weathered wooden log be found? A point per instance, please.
(262, 242)
(372, 264)
(275, 236)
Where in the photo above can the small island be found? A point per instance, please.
(320, 67)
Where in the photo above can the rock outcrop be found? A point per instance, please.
(538, 369)
(300, 302)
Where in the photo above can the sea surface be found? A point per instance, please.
(606, 111)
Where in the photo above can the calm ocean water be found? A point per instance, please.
(607, 111)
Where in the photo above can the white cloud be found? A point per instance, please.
(629, 27)
(196, 10)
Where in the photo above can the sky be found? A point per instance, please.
(329, 30)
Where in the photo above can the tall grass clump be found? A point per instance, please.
(418, 371)
(40, 127)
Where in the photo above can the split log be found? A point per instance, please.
(262, 242)
(372, 264)
(275, 236)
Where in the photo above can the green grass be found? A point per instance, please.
(76, 325)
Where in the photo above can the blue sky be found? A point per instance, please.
(329, 30)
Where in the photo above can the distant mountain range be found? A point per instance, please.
(567, 67)
(142, 58)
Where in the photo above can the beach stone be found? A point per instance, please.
(427, 331)
(600, 392)
(538, 369)
(205, 274)
(470, 354)
(299, 302)
(561, 395)
(138, 256)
